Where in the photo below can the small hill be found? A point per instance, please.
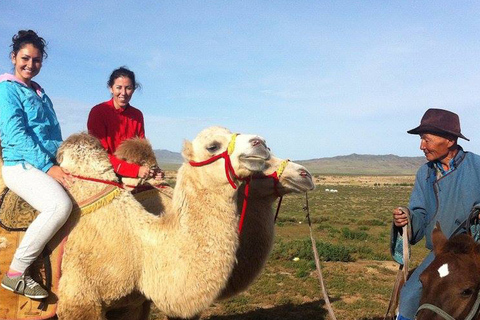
(364, 164)
(354, 164)
(168, 160)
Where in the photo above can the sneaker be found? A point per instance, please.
(25, 285)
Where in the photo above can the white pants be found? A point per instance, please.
(44, 194)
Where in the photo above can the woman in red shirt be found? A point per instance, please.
(116, 120)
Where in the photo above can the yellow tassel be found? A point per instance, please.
(231, 145)
(99, 203)
(282, 167)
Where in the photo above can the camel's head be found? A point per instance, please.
(248, 153)
(139, 151)
(293, 178)
(83, 154)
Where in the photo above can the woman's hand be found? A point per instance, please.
(61, 175)
(146, 172)
(157, 174)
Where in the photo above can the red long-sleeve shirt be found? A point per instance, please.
(112, 126)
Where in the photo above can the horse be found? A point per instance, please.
(451, 283)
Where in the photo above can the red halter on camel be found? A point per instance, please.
(229, 172)
(276, 180)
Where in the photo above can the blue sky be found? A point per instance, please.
(315, 78)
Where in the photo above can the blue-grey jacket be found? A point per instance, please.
(448, 200)
(29, 129)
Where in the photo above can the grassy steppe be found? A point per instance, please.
(352, 229)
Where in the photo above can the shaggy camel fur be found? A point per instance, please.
(139, 151)
(256, 239)
(180, 260)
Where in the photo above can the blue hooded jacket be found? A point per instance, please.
(29, 129)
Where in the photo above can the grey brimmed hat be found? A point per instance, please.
(439, 121)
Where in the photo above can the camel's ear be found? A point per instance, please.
(187, 151)
(438, 239)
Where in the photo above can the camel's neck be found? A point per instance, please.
(201, 248)
(214, 208)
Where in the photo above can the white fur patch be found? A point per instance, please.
(443, 270)
(3, 243)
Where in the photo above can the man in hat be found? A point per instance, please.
(446, 188)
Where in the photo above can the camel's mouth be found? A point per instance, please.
(253, 163)
(253, 158)
(298, 186)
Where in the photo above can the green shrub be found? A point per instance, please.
(354, 235)
(373, 222)
(303, 250)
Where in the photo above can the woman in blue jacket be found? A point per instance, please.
(30, 136)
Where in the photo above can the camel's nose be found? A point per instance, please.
(258, 142)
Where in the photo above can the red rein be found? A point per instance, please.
(229, 172)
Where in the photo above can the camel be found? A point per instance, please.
(256, 238)
(180, 260)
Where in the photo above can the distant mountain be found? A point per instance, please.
(168, 157)
(355, 164)
(367, 164)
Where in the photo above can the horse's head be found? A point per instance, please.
(452, 281)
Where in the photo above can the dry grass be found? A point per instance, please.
(357, 218)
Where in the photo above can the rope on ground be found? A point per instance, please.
(317, 262)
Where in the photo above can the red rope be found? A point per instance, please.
(229, 172)
(244, 206)
(113, 183)
(276, 181)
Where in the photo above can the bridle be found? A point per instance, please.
(229, 173)
(472, 218)
(443, 314)
(276, 180)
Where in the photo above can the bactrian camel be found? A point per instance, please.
(180, 260)
(256, 238)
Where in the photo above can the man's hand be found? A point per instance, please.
(400, 218)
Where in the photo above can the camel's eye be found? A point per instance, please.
(212, 148)
(467, 292)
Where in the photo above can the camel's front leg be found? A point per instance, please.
(133, 312)
(79, 303)
(68, 311)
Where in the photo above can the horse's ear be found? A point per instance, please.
(438, 239)
(187, 151)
